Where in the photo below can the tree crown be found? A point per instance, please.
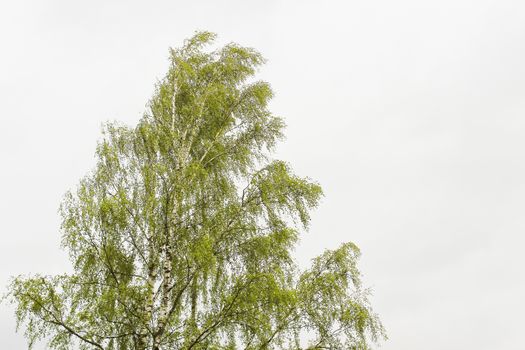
(181, 236)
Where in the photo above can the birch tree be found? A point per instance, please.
(181, 236)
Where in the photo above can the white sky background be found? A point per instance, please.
(411, 115)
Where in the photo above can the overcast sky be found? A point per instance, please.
(411, 115)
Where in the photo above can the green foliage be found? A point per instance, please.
(181, 236)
